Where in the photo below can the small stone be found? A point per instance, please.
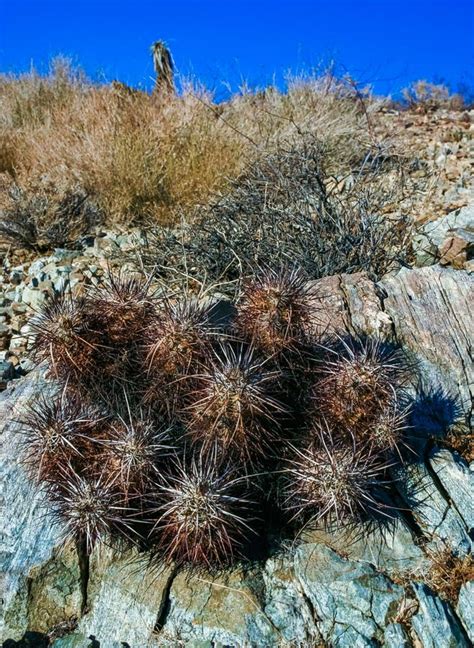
(18, 308)
(16, 278)
(4, 343)
(46, 287)
(14, 359)
(17, 322)
(456, 249)
(33, 297)
(4, 330)
(61, 284)
(27, 365)
(64, 269)
(36, 267)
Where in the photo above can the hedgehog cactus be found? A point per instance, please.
(205, 515)
(168, 429)
(233, 404)
(276, 310)
(333, 482)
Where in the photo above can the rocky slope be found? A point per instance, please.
(357, 591)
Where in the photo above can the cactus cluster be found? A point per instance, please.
(177, 434)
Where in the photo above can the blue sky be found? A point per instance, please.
(385, 42)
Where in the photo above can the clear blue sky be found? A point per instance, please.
(386, 42)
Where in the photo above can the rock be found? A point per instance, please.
(392, 549)
(352, 601)
(457, 250)
(46, 286)
(27, 365)
(5, 336)
(395, 637)
(457, 479)
(7, 370)
(124, 598)
(465, 608)
(29, 566)
(434, 623)
(440, 522)
(440, 343)
(36, 267)
(61, 284)
(447, 237)
(286, 605)
(19, 308)
(199, 612)
(16, 277)
(33, 297)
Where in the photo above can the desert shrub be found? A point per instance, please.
(149, 157)
(45, 217)
(286, 209)
(426, 97)
(172, 437)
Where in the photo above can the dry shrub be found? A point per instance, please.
(427, 97)
(47, 216)
(148, 157)
(286, 210)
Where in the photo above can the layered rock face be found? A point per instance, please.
(335, 590)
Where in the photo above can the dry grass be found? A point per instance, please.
(448, 573)
(425, 97)
(144, 157)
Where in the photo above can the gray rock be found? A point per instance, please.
(352, 600)
(395, 637)
(441, 344)
(33, 297)
(434, 623)
(392, 549)
(465, 608)
(7, 370)
(429, 241)
(124, 599)
(441, 523)
(29, 543)
(286, 604)
(457, 479)
(200, 611)
(61, 284)
(36, 267)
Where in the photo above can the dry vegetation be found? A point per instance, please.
(314, 175)
(141, 156)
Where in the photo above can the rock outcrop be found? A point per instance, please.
(335, 590)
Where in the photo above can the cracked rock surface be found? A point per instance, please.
(327, 590)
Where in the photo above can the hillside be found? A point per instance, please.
(235, 365)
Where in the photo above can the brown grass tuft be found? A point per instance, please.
(147, 157)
